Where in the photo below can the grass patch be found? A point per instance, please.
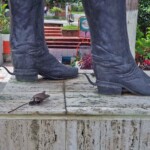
(77, 12)
(70, 27)
(54, 17)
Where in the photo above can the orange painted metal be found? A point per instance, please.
(6, 47)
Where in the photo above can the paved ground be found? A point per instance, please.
(74, 96)
(76, 17)
(74, 117)
(4, 76)
(65, 22)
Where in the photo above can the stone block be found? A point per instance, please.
(74, 117)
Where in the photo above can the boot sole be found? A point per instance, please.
(54, 78)
(26, 78)
(26, 75)
(108, 88)
(32, 78)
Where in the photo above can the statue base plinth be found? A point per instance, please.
(74, 117)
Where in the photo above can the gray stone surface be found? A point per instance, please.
(74, 117)
(82, 98)
(32, 135)
(37, 134)
(73, 97)
(17, 93)
(4, 77)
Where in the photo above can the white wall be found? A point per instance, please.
(132, 24)
(1, 50)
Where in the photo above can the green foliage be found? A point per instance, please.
(4, 21)
(70, 27)
(143, 43)
(143, 30)
(74, 8)
(77, 8)
(54, 17)
(6, 30)
(80, 8)
(49, 17)
(144, 15)
(63, 1)
(56, 10)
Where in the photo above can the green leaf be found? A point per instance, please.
(140, 50)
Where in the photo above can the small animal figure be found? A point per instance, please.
(36, 100)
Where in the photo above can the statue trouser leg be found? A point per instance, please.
(113, 64)
(30, 54)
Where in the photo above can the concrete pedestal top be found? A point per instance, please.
(74, 117)
(70, 97)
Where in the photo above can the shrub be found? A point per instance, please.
(74, 8)
(77, 8)
(142, 46)
(4, 21)
(144, 15)
(80, 8)
(56, 10)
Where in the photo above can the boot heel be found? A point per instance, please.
(26, 75)
(26, 78)
(109, 89)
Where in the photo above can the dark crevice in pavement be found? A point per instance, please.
(64, 93)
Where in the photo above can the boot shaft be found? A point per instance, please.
(27, 23)
(108, 27)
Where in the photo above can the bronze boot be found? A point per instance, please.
(113, 64)
(30, 54)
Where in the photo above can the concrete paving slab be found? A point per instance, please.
(17, 93)
(82, 98)
(76, 96)
(53, 105)
(74, 117)
(4, 76)
(38, 86)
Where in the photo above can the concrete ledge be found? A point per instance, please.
(75, 117)
(71, 97)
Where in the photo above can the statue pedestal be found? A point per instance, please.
(74, 117)
(132, 16)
